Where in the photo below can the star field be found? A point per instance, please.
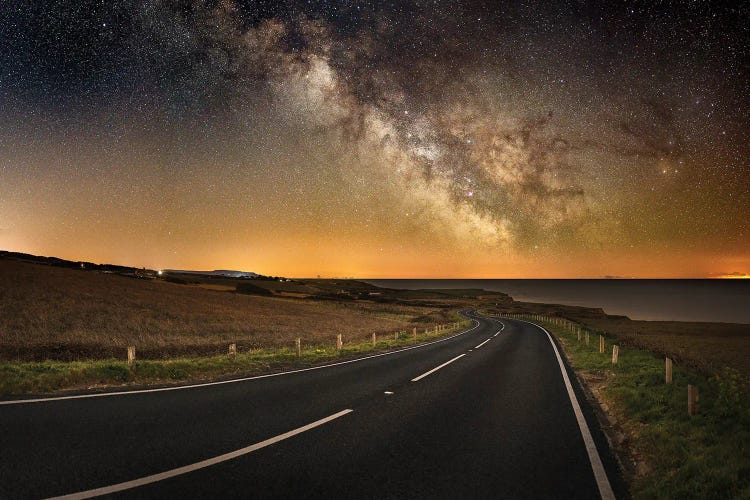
(436, 139)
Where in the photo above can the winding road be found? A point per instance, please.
(493, 412)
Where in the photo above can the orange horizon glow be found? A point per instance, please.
(311, 261)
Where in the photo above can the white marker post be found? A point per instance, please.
(232, 349)
(131, 357)
(339, 342)
(668, 369)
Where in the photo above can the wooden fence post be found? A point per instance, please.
(615, 354)
(601, 343)
(339, 342)
(374, 339)
(668, 370)
(232, 349)
(579, 334)
(587, 338)
(298, 342)
(692, 400)
(415, 334)
(131, 356)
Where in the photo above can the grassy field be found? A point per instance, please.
(50, 313)
(707, 347)
(67, 328)
(668, 454)
(19, 377)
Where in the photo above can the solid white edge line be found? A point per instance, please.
(437, 368)
(480, 345)
(602, 482)
(231, 381)
(105, 490)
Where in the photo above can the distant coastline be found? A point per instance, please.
(694, 300)
(709, 300)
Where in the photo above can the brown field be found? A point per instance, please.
(706, 346)
(49, 312)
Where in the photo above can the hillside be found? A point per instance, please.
(68, 313)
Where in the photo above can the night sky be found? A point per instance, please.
(379, 139)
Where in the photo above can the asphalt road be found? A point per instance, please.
(496, 421)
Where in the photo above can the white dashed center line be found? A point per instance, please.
(480, 345)
(106, 490)
(437, 368)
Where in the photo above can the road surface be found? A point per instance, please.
(484, 414)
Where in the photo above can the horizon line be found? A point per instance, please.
(713, 276)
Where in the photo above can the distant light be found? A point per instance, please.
(159, 272)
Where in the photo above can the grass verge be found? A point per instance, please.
(17, 378)
(673, 455)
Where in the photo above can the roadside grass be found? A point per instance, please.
(707, 347)
(19, 377)
(680, 456)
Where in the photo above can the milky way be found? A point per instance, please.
(413, 138)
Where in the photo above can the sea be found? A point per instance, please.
(712, 300)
